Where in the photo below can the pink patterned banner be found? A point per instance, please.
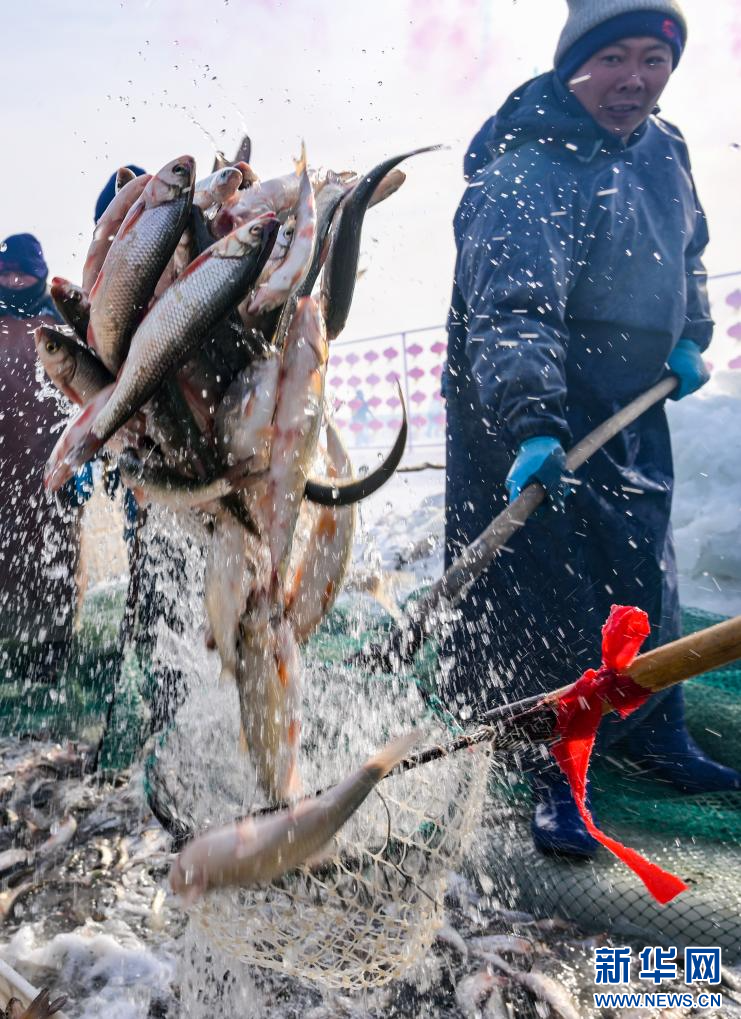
(364, 375)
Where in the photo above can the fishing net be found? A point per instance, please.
(360, 916)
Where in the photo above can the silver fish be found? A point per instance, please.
(259, 850)
(319, 574)
(71, 366)
(108, 226)
(152, 481)
(167, 337)
(137, 258)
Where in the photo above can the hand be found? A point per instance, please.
(686, 362)
(79, 488)
(539, 459)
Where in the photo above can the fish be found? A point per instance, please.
(141, 249)
(72, 304)
(388, 186)
(495, 1006)
(338, 282)
(268, 676)
(217, 187)
(244, 419)
(70, 365)
(498, 943)
(237, 566)
(289, 274)
(296, 424)
(124, 175)
(229, 347)
(108, 226)
(62, 834)
(259, 850)
(541, 986)
(40, 1008)
(471, 989)
(321, 571)
(166, 338)
(152, 481)
(349, 492)
(278, 195)
(450, 936)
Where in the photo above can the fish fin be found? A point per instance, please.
(381, 592)
(327, 852)
(300, 163)
(123, 176)
(389, 756)
(15, 1009)
(226, 675)
(244, 152)
(294, 787)
(191, 891)
(40, 1007)
(133, 216)
(208, 639)
(243, 744)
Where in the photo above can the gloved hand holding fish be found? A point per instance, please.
(196, 355)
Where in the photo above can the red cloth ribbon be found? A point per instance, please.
(579, 714)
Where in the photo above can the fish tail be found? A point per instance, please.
(300, 163)
(389, 756)
(227, 676)
(294, 788)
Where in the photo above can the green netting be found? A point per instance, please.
(76, 707)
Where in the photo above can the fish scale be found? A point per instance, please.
(183, 316)
(137, 258)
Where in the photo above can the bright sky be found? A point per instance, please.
(91, 84)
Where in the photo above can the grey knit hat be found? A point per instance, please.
(585, 15)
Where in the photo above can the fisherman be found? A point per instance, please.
(40, 579)
(579, 284)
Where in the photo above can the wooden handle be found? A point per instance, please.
(405, 640)
(690, 656)
(673, 663)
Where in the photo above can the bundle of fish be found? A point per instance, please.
(197, 353)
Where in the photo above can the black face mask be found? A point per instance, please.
(22, 303)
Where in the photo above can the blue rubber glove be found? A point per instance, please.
(686, 362)
(79, 488)
(539, 459)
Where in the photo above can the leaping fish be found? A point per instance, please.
(259, 850)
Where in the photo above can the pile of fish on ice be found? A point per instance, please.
(197, 355)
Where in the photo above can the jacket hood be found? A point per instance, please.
(542, 108)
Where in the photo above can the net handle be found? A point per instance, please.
(405, 640)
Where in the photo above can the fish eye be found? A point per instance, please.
(179, 168)
(256, 231)
(52, 346)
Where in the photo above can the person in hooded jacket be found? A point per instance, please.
(579, 283)
(40, 576)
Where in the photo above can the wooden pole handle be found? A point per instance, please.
(690, 656)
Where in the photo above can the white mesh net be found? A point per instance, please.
(369, 911)
(364, 914)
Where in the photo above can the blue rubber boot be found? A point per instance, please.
(662, 744)
(557, 827)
